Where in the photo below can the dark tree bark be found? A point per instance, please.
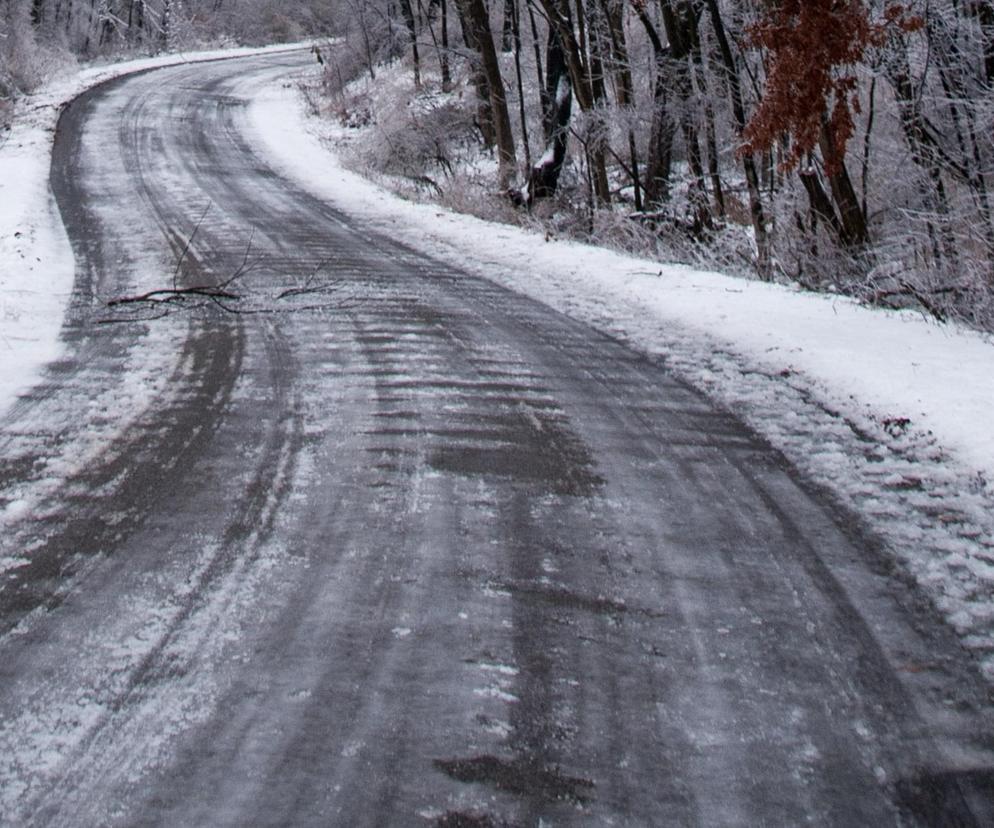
(818, 200)
(136, 20)
(443, 59)
(428, 17)
(578, 64)
(544, 176)
(984, 9)
(596, 142)
(926, 152)
(681, 31)
(516, 31)
(662, 131)
(961, 91)
(479, 21)
(710, 131)
(614, 13)
(538, 57)
(673, 75)
(854, 233)
(484, 112)
(507, 29)
(407, 12)
(756, 210)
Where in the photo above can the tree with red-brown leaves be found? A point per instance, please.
(814, 48)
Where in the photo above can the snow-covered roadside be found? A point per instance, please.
(36, 261)
(888, 411)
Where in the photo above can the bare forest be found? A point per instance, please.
(842, 145)
(39, 38)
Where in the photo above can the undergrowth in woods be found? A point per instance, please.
(425, 143)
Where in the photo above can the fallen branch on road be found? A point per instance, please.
(308, 286)
(161, 302)
(175, 295)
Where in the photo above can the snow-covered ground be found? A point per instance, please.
(36, 263)
(888, 411)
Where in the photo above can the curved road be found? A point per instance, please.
(400, 547)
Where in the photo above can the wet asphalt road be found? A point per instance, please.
(409, 549)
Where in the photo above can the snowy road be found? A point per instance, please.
(404, 547)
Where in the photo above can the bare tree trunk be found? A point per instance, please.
(951, 63)
(443, 58)
(692, 17)
(407, 11)
(748, 161)
(544, 176)
(681, 23)
(597, 139)
(662, 131)
(484, 113)
(864, 181)
(714, 166)
(818, 200)
(516, 31)
(659, 164)
(984, 9)
(538, 57)
(507, 29)
(577, 62)
(167, 24)
(614, 12)
(479, 21)
(925, 151)
(855, 234)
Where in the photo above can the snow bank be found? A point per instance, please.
(888, 410)
(36, 262)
